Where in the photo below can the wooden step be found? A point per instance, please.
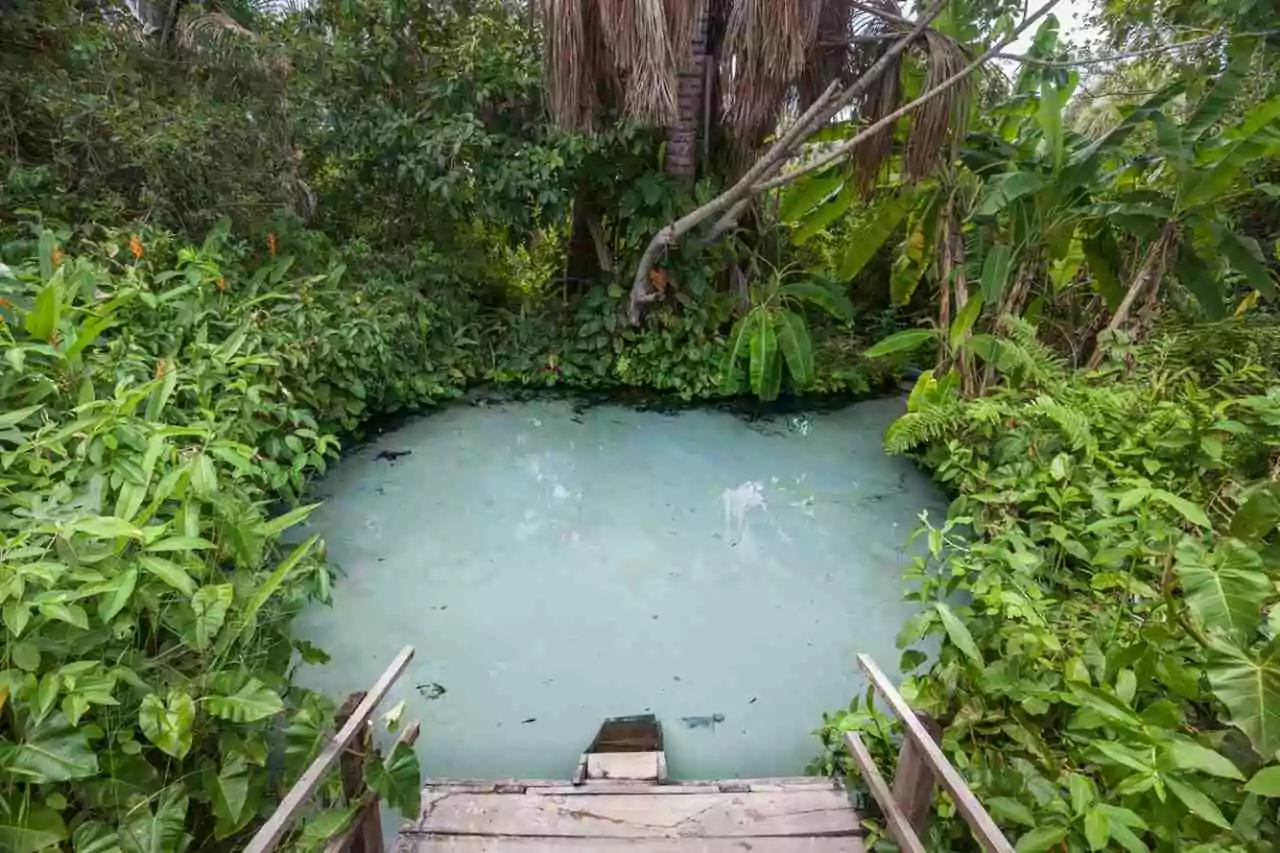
(732, 816)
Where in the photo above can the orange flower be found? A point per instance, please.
(222, 284)
(5, 303)
(271, 243)
(58, 255)
(135, 246)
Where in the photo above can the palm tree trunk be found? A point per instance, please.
(1149, 274)
(682, 137)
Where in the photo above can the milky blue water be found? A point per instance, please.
(553, 569)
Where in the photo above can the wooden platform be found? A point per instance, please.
(793, 815)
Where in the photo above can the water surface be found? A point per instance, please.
(553, 568)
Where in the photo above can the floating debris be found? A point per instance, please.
(528, 721)
(431, 690)
(708, 722)
(391, 455)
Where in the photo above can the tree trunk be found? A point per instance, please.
(682, 137)
(1149, 273)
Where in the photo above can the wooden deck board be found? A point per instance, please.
(490, 844)
(732, 816)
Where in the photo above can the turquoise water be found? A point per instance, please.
(554, 568)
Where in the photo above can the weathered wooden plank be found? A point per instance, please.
(913, 781)
(794, 813)
(282, 818)
(480, 844)
(365, 835)
(899, 827)
(642, 766)
(983, 827)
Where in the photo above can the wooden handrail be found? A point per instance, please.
(282, 818)
(980, 823)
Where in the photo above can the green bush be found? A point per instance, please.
(1105, 593)
(153, 417)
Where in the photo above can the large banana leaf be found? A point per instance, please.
(881, 222)
(826, 213)
(797, 347)
(1082, 166)
(1256, 138)
(1197, 277)
(1245, 257)
(809, 192)
(766, 369)
(1224, 92)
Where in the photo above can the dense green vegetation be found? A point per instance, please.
(230, 235)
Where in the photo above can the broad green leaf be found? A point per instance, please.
(1110, 707)
(169, 572)
(1042, 838)
(397, 779)
(1195, 799)
(957, 632)
(995, 273)
(1006, 189)
(94, 836)
(210, 605)
(831, 210)
(105, 526)
(28, 830)
(321, 826)
(272, 584)
(13, 417)
(1222, 95)
(1189, 755)
(764, 360)
(730, 372)
(115, 594)
(42, 321)
(1204, 285)
(168, 724)
(1265, 783)
(879, 225)
(1083, 164)
(1189, 511)
(1254, 139)
(1005, 809)
(1082, 793)
(163, 390)
(1225, 588)
(1245, 258)
(1053, 99)
(281, 523)
(1126, 838)
(181, 543)
(53, 751)
(161, 832)
(807, 193)
(907, 339)
(966, 317)
(796, 346)
(1097, 829)
(1119, 816)
(1248, 684)
(834, 302)
(255, 701)
(230, 793)
(1102, 254)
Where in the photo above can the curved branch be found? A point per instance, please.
(819, 112)
(845, 148)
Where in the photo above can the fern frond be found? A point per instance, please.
(927, 425)
(1073, 423)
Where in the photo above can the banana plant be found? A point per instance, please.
(775, 333)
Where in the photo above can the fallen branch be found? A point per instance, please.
(819, 112)
(1134, 54)
(845, 148)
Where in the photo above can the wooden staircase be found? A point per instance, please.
(620, 797)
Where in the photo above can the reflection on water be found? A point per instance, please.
(554, 568)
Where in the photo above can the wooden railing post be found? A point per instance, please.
(368, 835)
(913, 782)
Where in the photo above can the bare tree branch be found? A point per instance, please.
(1134, 54)
(819, 112)
(843, 149)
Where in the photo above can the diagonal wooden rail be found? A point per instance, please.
(354, 726)
(920, 763)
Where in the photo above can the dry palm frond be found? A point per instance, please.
(884, 95)
(682, 25)
(766, 45)
(566, 62)
(211, 31)
(940, 124)
(829, 54)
